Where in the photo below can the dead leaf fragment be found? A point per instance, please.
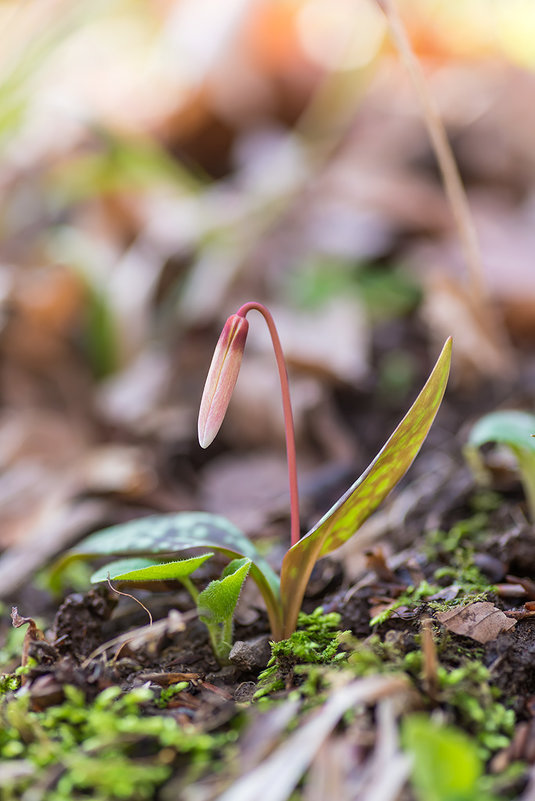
(480, 621)
(33, 633)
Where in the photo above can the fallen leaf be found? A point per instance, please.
(480, 621)
(449, 308)
(331, 341)
(33, 633)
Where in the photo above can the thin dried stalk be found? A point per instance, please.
(448, 167)
(430, 666)
(455, 192)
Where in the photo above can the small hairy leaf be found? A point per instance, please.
(174, 533)
(217, 602)
(364, 496)
(140, 569)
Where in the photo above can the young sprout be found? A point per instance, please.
(170, 535)
(215, 604)
(515, 430)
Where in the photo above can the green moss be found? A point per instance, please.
(106, 750)
(486, 501)
(12, 647)
(169, 693)
(467, 690)
(317, 641)
(457, 548)
(464, 693)
(411, 598)
(464, 533)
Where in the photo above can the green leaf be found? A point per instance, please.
(511, 427)
(347, 515)
(174, 533)
(446, 765)
(216, 605)
(217, 602)
(514, 429)
(141, 570)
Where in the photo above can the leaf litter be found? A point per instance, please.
(96, 678)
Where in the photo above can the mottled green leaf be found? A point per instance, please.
(364, 496)
(140, 569)
(174, 533)
(514, 429)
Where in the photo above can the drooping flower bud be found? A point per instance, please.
(222, 377)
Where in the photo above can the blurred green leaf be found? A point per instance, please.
(100, 333)
(118, 164)
(514, 429)
(446, 766)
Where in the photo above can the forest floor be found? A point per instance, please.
(402, 654)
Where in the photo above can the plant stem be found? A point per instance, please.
(191, 588)
(526, 463)
(287, 409)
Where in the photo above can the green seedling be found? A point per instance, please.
(216, 604)
(515, 430)
(171, 534)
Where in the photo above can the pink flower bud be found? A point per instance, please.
(222, 377)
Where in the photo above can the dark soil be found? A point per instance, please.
(502, 546)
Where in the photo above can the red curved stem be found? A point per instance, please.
(287, 409)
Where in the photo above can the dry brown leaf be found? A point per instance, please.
(480, 621)
(53, 533)
(450, 308)
(254, 417)
(118, 469)
(266, 478)
(33, 633)
(331, 341)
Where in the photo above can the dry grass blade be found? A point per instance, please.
(430, 666)
(388, 769)
(453, 185)
(54, 535)
(283, 769)
(132, 597)
(446, 160)
(136, 638)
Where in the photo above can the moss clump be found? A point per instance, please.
(106, 750)
(457, 548)
(464, 693)
(169, 693)
(468, 692)
(317, 641)
(411, 598)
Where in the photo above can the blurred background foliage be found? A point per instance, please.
(163, 162)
